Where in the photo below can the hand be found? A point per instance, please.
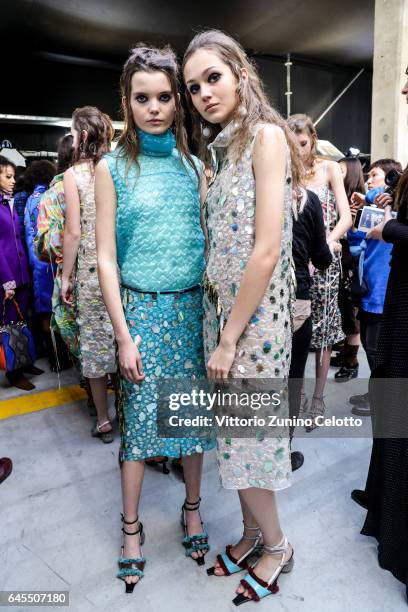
(334, 246)
(358, 199)
(354, 208)
(130, 361)
(376, 232)
(67, 288)
(9, 294)
(382, 200)
(220, 362)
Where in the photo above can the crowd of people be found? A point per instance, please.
(146, 262)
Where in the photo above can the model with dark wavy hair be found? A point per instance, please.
(148, 227)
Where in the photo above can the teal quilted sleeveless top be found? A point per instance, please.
(159, 241)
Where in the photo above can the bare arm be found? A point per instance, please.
(105, 199)
(269, 162)
(337, 185)
(72, 232)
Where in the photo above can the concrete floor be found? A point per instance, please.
(60, 521)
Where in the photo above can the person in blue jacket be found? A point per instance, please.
(41, 173)
(374, 269)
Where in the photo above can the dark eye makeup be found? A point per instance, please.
(163, 97)
(212, 78)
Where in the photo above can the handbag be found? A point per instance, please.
(17, 348)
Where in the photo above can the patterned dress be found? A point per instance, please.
(96, 338)
(263, 350)
(48, 246)
(160, 247)
(324, 292)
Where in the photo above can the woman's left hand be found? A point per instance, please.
(221, 360)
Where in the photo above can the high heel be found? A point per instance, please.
(226, 561)
(129, 566)
(259, 588)
(155, 463)
(317, 408)
(195, 542)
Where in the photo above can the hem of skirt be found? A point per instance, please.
(93, 375)
(327, 344)
(269, 488)
(162, 453)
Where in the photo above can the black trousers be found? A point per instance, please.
(301, 340)
(369, 330)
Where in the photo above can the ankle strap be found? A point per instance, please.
(129, 522)
(253, 537)
(250, 528)
(138, 530)
(193, 505)
(278, 549)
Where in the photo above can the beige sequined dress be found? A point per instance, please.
(96, 338)
(263, 350)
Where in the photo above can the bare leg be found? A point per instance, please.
(353, 340)
(322, 369)
(243, 545)
(262, 505)
(193, 468)
(132, 479)
(100, 398)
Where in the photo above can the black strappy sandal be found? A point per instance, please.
(129, 566)
(195, 542)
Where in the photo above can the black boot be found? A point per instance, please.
(349, 365)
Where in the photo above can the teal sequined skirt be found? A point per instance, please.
(170, 326)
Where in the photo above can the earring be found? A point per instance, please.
(81, 149)
(242, 111)
(205, 130)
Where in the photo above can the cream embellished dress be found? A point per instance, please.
(264, 349)
(96, 337)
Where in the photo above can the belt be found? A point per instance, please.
(154, 294)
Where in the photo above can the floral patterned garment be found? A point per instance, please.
(48, 246)
(324, 291)
(264, 349)
(170, 326)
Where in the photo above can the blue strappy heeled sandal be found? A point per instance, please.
(226, 561)
(131, 566)
(196, 542)
(259, 588)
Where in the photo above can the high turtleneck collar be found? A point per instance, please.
(156, 145)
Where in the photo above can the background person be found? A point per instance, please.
(92, 133)
(325, 179)
(353, 178)
(386, 494)
(39, 175)
(374, 260)
(308, 244)
(14, 272)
